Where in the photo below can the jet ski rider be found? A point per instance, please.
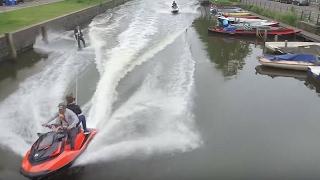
(79, 36)
(68, 120)
(174, 4)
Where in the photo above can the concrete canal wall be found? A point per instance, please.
(24, 39)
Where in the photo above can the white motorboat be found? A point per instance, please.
(290, 61)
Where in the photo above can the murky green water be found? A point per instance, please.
(254, 122)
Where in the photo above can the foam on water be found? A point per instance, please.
(131, 42)
(158, 117)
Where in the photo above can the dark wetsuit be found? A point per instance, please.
(174, 5)
(78, 34)
(77, 110)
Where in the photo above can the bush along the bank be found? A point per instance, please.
(288, 17)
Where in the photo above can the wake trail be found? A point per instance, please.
(158, 117)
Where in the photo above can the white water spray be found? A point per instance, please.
(158, 117)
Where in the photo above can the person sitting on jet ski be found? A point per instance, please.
(71, 104)
(174, 4)
(67, 120)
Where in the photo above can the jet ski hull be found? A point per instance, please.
(64, 158)
(175, 10)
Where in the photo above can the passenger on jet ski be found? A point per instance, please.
(71, 104)
(68, 121)
(174, 4)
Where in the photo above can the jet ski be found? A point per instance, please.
(175, 9)
(51, 152)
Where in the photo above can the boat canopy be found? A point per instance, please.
(294, 57)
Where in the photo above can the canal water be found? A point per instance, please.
(169, 100)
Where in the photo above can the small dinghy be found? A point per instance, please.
(232, 30)
(290, 61)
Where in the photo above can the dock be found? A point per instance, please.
(274, 46)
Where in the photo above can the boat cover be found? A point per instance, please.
(310, 58)
(230, 29)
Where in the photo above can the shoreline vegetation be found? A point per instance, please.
(20, 18)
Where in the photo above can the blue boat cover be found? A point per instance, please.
(230, 28)
(310, 58)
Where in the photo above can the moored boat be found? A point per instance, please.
(235, 20)
(248, 17)
(252, 32)
(290, 61)
(242, 13)
(225, 9)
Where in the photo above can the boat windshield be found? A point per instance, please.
(46, 141)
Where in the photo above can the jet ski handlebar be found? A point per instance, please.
(55, 127)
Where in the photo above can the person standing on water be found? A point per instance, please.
(79, 37)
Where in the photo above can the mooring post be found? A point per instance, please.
(276, 38)
(286, 43)
(265, 35)
(44, 34)
(13, 51)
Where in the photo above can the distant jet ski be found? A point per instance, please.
(175, 9)
(51, 152)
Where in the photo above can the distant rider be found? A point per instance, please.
(71, 104)
(79, 36)
(174, 4)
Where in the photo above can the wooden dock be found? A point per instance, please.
(273, 46)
